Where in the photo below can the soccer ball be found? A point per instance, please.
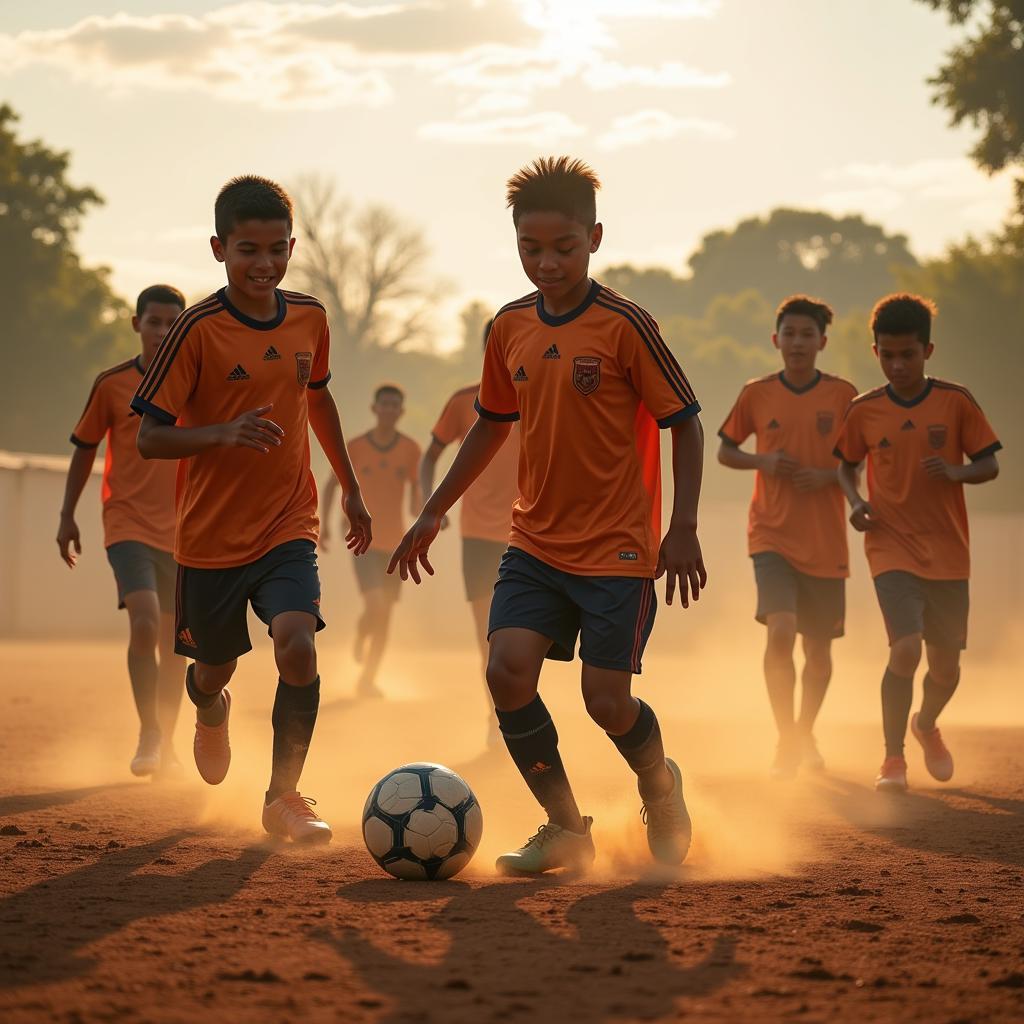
(422, 821)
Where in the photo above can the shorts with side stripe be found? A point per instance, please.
(612, 615)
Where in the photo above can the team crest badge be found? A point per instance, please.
(937, 435)
(586, 374)
(303, 367)
(826, 420)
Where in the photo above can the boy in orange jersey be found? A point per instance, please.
(914, 434)
(486, 509)
(590, 380)
(247, 522)
(386, 463)
(797, 526)
(138, 531)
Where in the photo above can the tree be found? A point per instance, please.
(982, 82)
(366, 267)
(62, 322)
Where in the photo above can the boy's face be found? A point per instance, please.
(255, 255)
(555, 251)
(799, 340)
(153, 325)
(902, 358)
(388, 409)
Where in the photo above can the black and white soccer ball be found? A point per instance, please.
(422, 821)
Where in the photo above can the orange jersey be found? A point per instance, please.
(138, 494)
(385, 475)
(590, 390)
(235, 504)
(921, 521)
(487, 505)
(807, 528)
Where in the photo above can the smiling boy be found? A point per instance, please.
(247, 504)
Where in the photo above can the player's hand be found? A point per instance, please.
(862, 517)
(68, 536)
(939, 469)
(414, 548)
(251, 430)
(360, 526)
(808, 479)
(778, 463)
(680, 559)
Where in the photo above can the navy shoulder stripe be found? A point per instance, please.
(302, 299)
(768, 378)
(170, 346)
(101, 377)
(946, 385)
(525, 302)
(878, 392)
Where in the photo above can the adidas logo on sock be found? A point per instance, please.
(909, 425)
(553, 353)
(238, 373)
(520, 375)
(271, 353)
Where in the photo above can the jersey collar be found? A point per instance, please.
(799, 391)
(256, 325)
(913, 401)
(558, 321)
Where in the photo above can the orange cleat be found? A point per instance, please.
(937, 758)
(291, 816)
(892, 776)
(211, 747)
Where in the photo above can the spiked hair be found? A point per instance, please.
(560, 184)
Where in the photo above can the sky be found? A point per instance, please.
(695, 113)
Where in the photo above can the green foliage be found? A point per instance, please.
(62, 323)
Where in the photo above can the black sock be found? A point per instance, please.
(294, 716)
(532, 741)
(935, 698)
(143, 671)
(203, 701)
(897, 696)
(644, 753)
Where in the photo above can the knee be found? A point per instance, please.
(611, 714)
(781, 638)
(818, 657)
(508, 681)
(905, 655)
(144, 634)
(295, 653)
(944, 670)
(212, 678)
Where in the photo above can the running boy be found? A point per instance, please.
(486, 514)
(138, 531)
(247, 522)
(386, 463)
(590, 379)
(914, 433)
(797, 526)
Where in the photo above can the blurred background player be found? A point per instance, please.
(138, 531)
(914, 433)
(797, 524)
(387, 465)
(486, 513)
(247, 510)
(590, 379)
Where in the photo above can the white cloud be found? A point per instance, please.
(540, 129)
(673, 75)
(659, 126)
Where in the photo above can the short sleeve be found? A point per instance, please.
(173, 374)
(94, 422)
(850, 444)
(977, 438)
(654, 372)
(739, 424)
(450, 425)
(320, 374)
(497, 399)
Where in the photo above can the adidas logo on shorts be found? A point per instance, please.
(238, 373)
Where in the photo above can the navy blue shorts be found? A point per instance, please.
(212, 603)
(818, 602)
(937, 609)
(612, 615)
(138, 566)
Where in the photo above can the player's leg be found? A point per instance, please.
(480, 561)
(380, 603)
(170, 686)
(143, 671)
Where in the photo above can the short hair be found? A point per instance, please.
(803, 305)
(388, 389)
(903, 313)
(487, 330)
(158, 293)
(562, 184)
(250, 197)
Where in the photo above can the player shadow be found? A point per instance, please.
(599, 961)
(44, 928)
(26, 802)
(927, 822)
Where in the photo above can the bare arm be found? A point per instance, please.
(158, 440)
(482, 442)
(776, 463)
(326, 424)
(680, 557)
(978, 472)
(862, 516)
(428, 466)
(78, 476)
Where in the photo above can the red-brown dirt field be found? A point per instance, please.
(126, 900)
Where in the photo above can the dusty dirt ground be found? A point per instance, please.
(123, 900)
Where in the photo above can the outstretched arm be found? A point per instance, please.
(680, 558)
(78, 476)
(158, 440)
(428, 466)
(482, 442)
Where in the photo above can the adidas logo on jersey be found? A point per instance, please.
(553, 353)
(271, 353)
(773, 424)
(909, 425)
(884, 443)
(520, 375)
(238, 373)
